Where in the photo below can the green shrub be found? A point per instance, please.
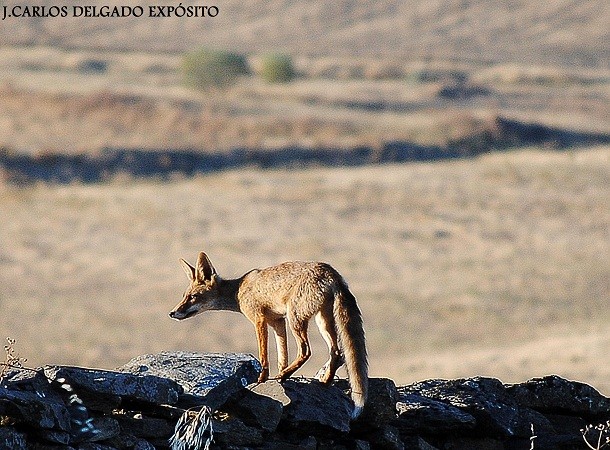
(277, 68)
(205, 68)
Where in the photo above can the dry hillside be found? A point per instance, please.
(557, 32)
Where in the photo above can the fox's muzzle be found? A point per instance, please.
(181, 315)
(177, 315)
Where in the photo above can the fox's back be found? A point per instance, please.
(296, 284)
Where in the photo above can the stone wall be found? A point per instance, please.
(138, 405)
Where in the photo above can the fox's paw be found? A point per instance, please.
(264, 376)
(321, 373)
(324, 375)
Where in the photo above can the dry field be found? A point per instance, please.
(52, 102)
(555, 32)
(494, 266)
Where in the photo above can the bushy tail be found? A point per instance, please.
(348, 320)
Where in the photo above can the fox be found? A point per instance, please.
(290, 293)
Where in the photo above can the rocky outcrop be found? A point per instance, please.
(138, 405)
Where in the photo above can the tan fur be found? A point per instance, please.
(290, 294)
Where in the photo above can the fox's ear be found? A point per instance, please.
(188, 269)
(205, 269)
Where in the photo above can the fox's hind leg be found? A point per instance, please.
(279, 327)
(299, 330)
(326, 325)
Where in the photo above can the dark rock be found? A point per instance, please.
(96, 401)
(380, 407)
(105, 428)
(95, 446)
(145, 427)
(54, 436)
(124, 440)
(127, 442)
(558, 395)
(557, 442)
(214, 376)
(496, 414)
(333, 445)
(148, 388)
(256, 408)
(464, 443)
(417, 443)
(129, 410)
(308, 443)
(34, 409)
(11, 439)
(34, 381)
(566, 424)
(315, 407)
(387, 438)
(233, 432)
(25, 380)
(143, 445)
(308, 405)
(361, 445)
(417, 414)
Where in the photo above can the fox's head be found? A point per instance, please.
(202, 294)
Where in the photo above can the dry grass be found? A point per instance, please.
(496, 266)
(560, 32)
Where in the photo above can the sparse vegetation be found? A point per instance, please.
(11, 359)
(597, 437)
(277, 68)
(208, 69)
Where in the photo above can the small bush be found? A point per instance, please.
(205, 69)
(93, 66)
(277, 68)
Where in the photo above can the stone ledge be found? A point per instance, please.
(137, 407)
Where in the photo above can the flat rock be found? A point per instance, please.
(257, 408)
(207, 378)
(380, 407)
(146, 387)
(315, 408)
(272, 389)
(496, 413)
(24, 379)
(560, 396)
(417, 414)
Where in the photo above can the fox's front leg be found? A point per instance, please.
(262, 335)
